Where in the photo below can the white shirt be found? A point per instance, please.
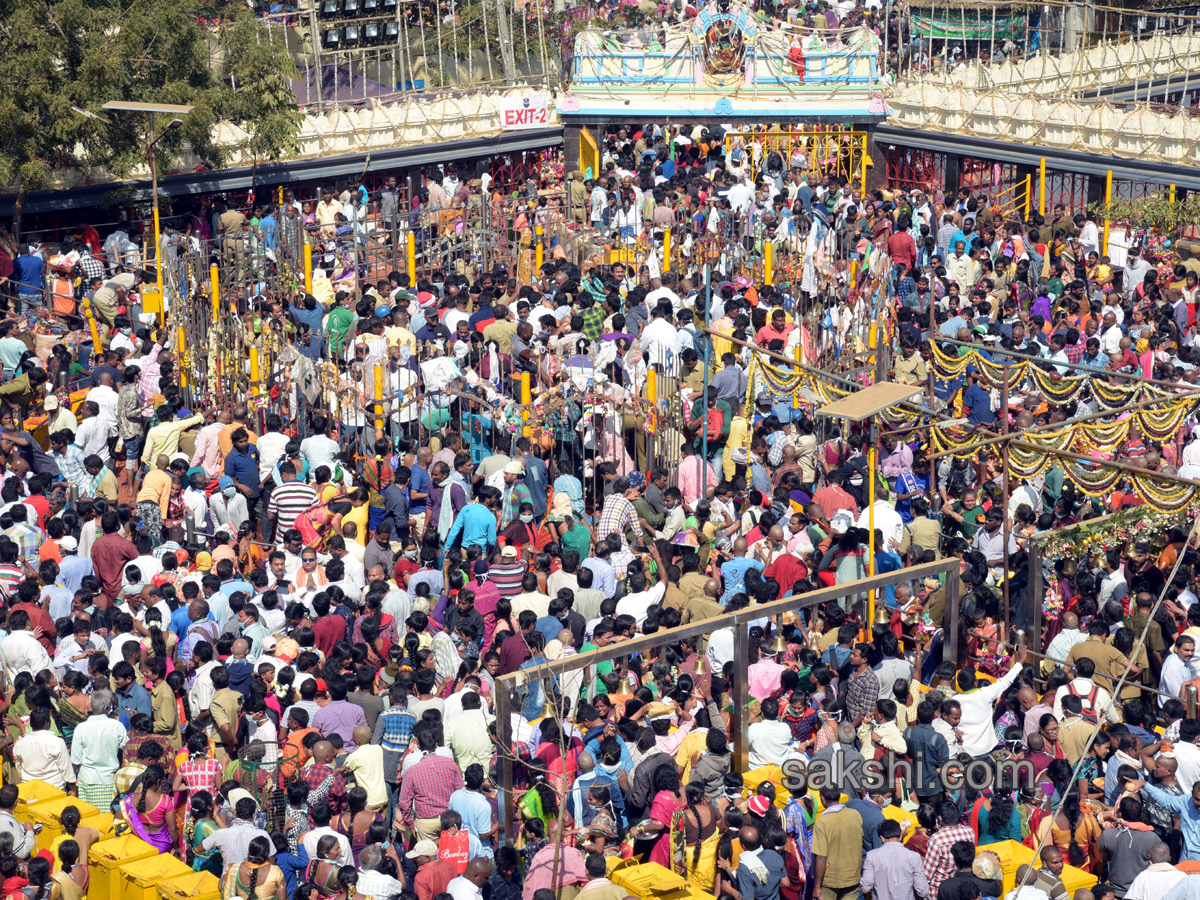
(720, 649)
(1187, 755)
(106, 398)
(1110, 340)
(22, 652)
(1152, 883)
(114, 651)
(660, 340)
(769, 743)
(461, 889)
(1089, 238)
(44, 756)
(637, 604)
(201, 694)
(310, 844)
(979, 734)
(1083, 687)
(92, 438)
(887, 520)
(1174, 673)
(271, 447)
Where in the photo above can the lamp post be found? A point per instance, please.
(151, 109)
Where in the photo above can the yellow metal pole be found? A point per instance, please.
(853, 273)
(1107, 203)
(539, 251)
(862, 157)
(378, 400)
(526, 400)
(162, 311)
(666, 267)
(307, 267)
(255, 372)
(215, 282)
(1172, 198)
(871, 526)
(769, 262)
(652, 386)
(1028, 195)
(180, 349)
(97, 349)
(1042, 186)
(412, 259)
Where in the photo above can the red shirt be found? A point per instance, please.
(433, 877)
(787, 570)
(901, 249)
(39, 618)
(328, 630)
(110, 552)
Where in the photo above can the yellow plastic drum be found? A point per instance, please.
(46, 814)
(107, 857)
(140, 879)
(31, 793)
(196, 886)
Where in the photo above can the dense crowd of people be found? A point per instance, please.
(275, 644)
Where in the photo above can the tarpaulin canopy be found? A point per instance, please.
(330, 83)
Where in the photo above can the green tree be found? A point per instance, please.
(65, 54)
(257, 91)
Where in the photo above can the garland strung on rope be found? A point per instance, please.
(1059, 389)
(779, 381)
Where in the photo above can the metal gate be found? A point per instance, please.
(830, 150)
(1068, 188)
(909, 169)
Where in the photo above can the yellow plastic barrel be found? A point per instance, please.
(31, 793)
(107, 857)
(196, 886)
(773, 774)
(140, 878)
(1012, 854)
(47, 812)
(1073, 879)
(646, 880)
(104, 822)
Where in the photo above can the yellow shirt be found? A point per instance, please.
(397, 336)
(737, 440)
(156, 489)
(359, 517)
(693, 743)
(907, 820)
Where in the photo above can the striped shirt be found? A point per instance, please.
(289, 500)
(507, 578)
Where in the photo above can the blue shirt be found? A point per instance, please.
(137, 700)
(179, 621)
(267, 225)
(537, 479)
(72, 570)
(291, 863)
(532, 707)
(476, 814)
(603, 578)
(1189, 819)
(243, 468)
(750, 888)
(978, 402)
(419, 482)
(733, 573)
(476, 525)
(28, 274)
(311, 318)
(549, 627)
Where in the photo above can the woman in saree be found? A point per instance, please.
(318, 522)
(356, 822)
(323, 871)
(257, 878)
(603, 835)
(666, 814)
(71, 880)
(73, 705)
(151, 811)
(701, 826)
(200, 825)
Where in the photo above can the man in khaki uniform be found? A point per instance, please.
(1110, 662)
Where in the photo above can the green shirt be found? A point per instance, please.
(969, 525)
(602, 669)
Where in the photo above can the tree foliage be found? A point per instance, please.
(63, 54)
(1156, 212)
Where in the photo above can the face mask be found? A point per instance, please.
(229, 492)
(410, 554)
(527, 519)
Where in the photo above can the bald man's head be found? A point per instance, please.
(362, 735)
(322, 752)
(1070, 621)
(749, 838)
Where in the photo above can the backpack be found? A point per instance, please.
(1089, 703)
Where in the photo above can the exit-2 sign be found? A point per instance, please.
(524, 112)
